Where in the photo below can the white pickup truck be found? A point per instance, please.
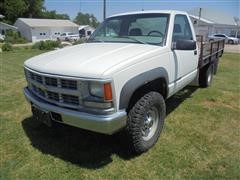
(119, 80)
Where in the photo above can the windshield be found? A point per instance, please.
(137, 28)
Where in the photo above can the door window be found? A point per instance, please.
(181, 28)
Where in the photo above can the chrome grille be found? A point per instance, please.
(36, 77)
(38, 91)
(52, 95)
(68, 84)
(70, 99)
(51, 81)
(61, 91)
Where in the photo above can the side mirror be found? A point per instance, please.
(183, 44)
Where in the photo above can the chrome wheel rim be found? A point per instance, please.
(209, 79)
(150, 123)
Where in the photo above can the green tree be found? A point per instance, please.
(14, 9)
(2, 9)
(53, 15)
(34, 8)
(86, 19)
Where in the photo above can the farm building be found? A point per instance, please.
(44, 29)
(207, 22)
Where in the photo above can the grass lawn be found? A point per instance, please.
(201, 137)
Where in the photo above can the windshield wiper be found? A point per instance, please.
(132, 38)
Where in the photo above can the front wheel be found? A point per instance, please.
(145, 121)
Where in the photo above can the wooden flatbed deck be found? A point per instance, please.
(209, 51)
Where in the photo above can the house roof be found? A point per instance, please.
(201, 19)
(47, 22)
(8, 25)
(213, 16)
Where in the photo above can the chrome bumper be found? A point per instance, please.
(106, 124)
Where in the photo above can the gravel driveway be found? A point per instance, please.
(232, 48)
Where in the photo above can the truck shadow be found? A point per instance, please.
(83, 148)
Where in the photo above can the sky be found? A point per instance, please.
(72, 7)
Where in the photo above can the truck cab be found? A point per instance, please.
(119, 80)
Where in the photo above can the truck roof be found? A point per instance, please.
(150, 11)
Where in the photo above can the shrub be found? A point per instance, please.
(46, 45)
(7, 47)
(80, 41)
(14, 37)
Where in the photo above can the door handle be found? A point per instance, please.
(195, 52)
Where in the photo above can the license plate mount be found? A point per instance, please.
(42, 116)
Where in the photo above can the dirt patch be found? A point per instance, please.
(212, 104)
(232, 48)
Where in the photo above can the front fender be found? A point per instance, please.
(136, 82)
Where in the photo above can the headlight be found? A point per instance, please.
(99, 95)
(96, 89)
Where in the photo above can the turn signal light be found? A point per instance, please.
(107, 92)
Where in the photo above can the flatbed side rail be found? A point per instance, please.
(209, 51)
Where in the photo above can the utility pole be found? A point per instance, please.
(200, 13)
(104, 9)
(199, 18)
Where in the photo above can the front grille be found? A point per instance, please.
(38, 91)
(36, 77)
(61, 91)
(68, 84)
(52, 95)
(51, 81)
(70, 99)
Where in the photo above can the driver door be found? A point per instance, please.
(186, 60)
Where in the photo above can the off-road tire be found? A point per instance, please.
(136, 120)
(206, 76)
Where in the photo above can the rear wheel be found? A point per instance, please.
(211, 40)
(230, 42)
(145, 121)
(215, 66)
(206, 76)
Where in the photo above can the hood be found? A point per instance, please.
(87, 60)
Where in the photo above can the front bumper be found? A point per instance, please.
(106, 124)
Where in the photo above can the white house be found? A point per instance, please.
(4, 27)
(85, 30)
(208, 21)
(44, 29)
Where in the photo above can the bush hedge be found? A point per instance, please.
(46, 45)
(14, 37)
(7, 47)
